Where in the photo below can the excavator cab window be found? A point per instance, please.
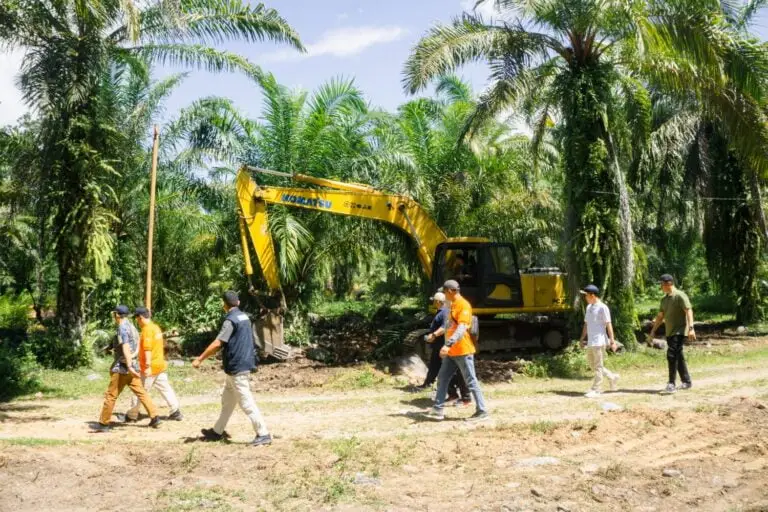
(460, 264)
(487, 272)
(502, 277)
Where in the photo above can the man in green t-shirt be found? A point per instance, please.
(677, 315)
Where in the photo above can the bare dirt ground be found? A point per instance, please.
(545, 448)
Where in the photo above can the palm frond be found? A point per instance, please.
(445, 48)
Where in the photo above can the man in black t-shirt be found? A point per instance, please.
(236, 340)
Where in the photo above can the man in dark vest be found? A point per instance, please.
(236, 337)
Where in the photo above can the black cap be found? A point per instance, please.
(122, 310)
(590, 288)
(230, 298)
(141, 311)
(667, 278)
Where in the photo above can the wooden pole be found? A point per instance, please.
(153, 182)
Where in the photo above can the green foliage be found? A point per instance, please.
(13, 312)
(570, 363)
(52, 350)
(18, 371)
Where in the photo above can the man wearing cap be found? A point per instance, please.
(239, 358)
(458, 354)
(124, 371)
(457, 389)
(436, 338)
(153, 366)
(597, 331)
(677, 315)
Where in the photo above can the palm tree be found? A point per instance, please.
(564, 56)
(707, 143)
(588, 63)
(73, 51)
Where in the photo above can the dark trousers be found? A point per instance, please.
(457, 388)
(434, 365)
(676, 359)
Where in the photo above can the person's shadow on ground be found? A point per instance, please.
(573, 394)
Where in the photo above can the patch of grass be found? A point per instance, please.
(367, 377)
(191, 460)
(704, 409)
(74, 383)
(345, 448)
(33, 441)
(544, 427)
(337, 488)
(213, 498)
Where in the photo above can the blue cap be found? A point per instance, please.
(141, 311)
(667, 278)
(590, 288)
(122, 310)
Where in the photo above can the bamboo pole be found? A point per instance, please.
(153, 182)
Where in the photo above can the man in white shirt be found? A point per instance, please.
(596, 333)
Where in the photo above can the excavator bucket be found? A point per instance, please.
(269, 336)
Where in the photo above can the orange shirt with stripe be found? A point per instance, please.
(461, 313)
(151, 340)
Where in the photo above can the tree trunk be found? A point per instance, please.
(70, 297)
(757, 201)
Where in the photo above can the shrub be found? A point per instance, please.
(13, 312)
(569, 363)
(18, 371)
(54, 351)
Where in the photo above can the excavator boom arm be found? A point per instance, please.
(342, 199)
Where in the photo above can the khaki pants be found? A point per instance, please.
(161, 383)
(237, 390)
(596, 358)
(117, 382)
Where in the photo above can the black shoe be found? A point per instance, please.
(155, 422)
(479, 416)
(100, 428)
(176, 415)
(262, 440)
(210, 435)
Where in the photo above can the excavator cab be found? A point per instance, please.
(487, 272)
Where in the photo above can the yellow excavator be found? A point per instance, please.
(516, 308)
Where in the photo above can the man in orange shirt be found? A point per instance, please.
(153, 366)
(458, 354)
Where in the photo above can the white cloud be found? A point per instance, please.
(344, 42)
(342, 16)
(486, 9)
(11, 105)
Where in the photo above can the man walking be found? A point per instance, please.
(153, 366)
(596, 332)
(236, 338)
(677, 315)
(436, 338)
(124, 372)
(457, 389)
(458, 354)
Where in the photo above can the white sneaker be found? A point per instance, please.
(592, 394)
(671, 388)
(614, 382)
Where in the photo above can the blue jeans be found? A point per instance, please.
(466, 365)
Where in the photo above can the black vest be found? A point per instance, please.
(238, 353)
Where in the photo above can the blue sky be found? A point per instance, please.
(362, 39)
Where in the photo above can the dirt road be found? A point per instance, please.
(546, 448)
